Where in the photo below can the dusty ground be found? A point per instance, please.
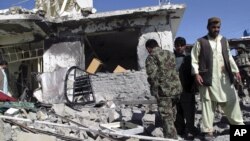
(221, 124)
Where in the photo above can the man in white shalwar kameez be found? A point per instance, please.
(212, 74)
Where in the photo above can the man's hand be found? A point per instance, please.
(198, 79)
(238, 77)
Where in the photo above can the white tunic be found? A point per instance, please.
(221, 90)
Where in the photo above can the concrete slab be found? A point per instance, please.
(22, 136)
(123, 128)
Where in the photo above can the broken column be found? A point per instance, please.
(64, 52)
(161, 33)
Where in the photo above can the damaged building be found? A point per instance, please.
(62, 35)
(62, 43)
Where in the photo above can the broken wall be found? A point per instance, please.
(63, 53)
(59, 8)
(145, 23)
(150, 27)
(161, 33)
(129, 85)
(53, 86)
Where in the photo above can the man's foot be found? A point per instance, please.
(208, 137)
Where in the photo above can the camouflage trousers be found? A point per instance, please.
(167, 110)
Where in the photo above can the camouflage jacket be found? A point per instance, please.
(162, 75)
(243, 60)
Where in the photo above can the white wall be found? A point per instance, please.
(64, 54)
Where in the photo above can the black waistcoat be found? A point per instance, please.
(206, 60)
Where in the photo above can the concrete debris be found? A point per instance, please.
(157, 132)
(73, 119)
(90, 119)
(126, 114)
(22, 136)
(132, 139)
(113, 115)
(38, 94)
(148, 119)
(110, 104)
(123, 127)
(15, 10)
(2, 137)
(53, 85)
(41, 115)
(59, 108)
(62, 28)
(55, 9)
(11, 111)
(6, 131)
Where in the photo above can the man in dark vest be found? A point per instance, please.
(214, 70)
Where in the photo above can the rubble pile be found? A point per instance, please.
(15, 11)
(61, 122)
(23, 121)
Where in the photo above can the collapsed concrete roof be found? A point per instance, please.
(173, 14)
(23, 27)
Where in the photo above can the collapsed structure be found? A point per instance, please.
(61, 34)
(59, 40)
(57, 35)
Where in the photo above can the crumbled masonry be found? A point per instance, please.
(59, 34)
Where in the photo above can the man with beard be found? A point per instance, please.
(214, 70)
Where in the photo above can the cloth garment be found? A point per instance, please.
(4, 97)
(167, 109)
(18, 105)
(184, 122)
(186, 106)
(4, 82)
(165, 86)
(222, 90)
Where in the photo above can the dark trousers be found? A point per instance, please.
(184, 122)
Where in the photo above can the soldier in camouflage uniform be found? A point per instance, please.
(243, 64)
(164, 84)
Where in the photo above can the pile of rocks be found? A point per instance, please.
(61, 120)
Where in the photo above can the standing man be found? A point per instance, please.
(243, 64)
(22, 77)
(3, 77)
(214, 70)
(164, 84)
(186, 107)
